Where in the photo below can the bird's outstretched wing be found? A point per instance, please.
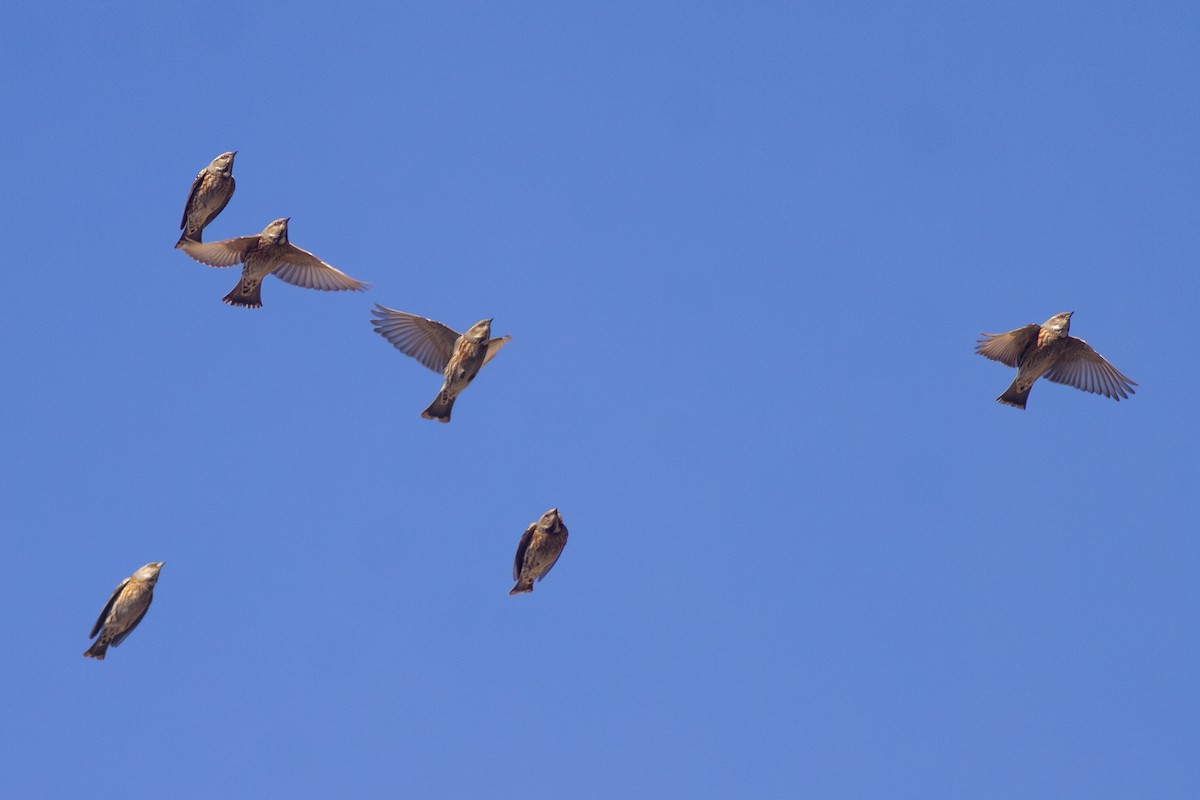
(494, 346)
(1082, 367)
(426, 340)
(1007, 348)
(224, 253)
(301, 268)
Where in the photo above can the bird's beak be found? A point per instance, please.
(235, 152)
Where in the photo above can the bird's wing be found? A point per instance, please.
(526, 538)
(120, 637)
(301, 268)
(1082, 367)
(550, 566)
(228, 196)
(224, 253)
(494, 346)
(1007, 348)
(107, 608)
(426, 340)
(191, 198)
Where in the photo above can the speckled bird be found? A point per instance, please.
(270, 253)
(1047, 350)
(541, 545)
(210, 194)
(459, 357)
(124, 610)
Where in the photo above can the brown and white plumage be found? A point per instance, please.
(1047, 350)
(124, 610)
(539, 549)
(208, 197)
(459, 357)
(269, 253)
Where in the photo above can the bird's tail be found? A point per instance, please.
(439, 409)
(97, 650)
(1015, 395)
(522, 587)
(247, 293)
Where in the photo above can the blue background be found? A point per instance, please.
(744, 253)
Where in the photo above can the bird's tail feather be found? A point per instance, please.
(247, 293)
(97, 650)
(440, 408)
(522, 587)
(1015, 395)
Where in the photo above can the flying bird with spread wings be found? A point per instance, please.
(269, 253)
(459, 357)
(1048, 351)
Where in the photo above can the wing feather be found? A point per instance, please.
(1007, 348)
(301, 268)
(107, 608)
(225, 253)
(1082, 367)
(426, 340)
(216, 212)
(526, 538)
(187, 206)
(120, 637)
(494, 346)
(550, 566)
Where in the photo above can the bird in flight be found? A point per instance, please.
(124, 610)
(541, 545)
(269, 253)
(1047, 350)
(209, 195)
(459, 357)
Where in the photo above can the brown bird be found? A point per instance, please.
(269, 253)
(442, 349)
(124, 610)
(1047, 350)
(541, 545)
(210, 194)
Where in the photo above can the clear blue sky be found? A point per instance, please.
(743, 253)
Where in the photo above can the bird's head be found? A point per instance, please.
(222, 164)
(149, 573)
(1059, 325)
(480, 332)
(551, 522)
(276, 232)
